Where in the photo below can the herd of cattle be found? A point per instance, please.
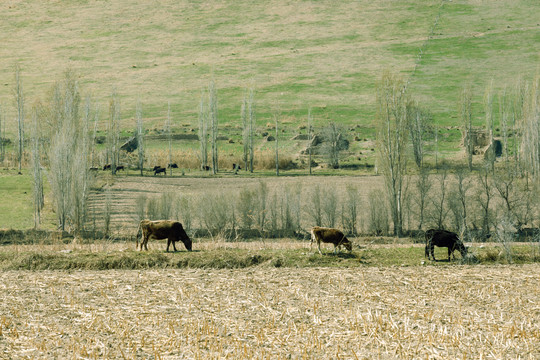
(173, 231)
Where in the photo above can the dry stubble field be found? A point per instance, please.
(396, 312)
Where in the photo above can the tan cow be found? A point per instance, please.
(329, 235)
(171, 230)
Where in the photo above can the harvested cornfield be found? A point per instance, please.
(389, 312)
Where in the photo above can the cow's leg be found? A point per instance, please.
(319, 246)
(450, 252)
(169, 243)
(432, 251)
(174, 244)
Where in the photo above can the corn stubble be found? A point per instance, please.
(272, 313)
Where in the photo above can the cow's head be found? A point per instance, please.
(461, 248)
(185, 238)
(348, 245)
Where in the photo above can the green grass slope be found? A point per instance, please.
(324, 54)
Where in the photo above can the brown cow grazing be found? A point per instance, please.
(443, 238)
(329, 235)
(159, 169)
(171, 230)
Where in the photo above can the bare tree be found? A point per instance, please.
(466, 121)
(423, 186)
(2, 132)
(169, 134)
(314, 209)
(330, 207)
(140, 135)
(350, 210)
(37, 188)
(248, 132)
(530, 142)
(245, 131)
(213, 116)
(462, 186)
(310, 136)
(333, 144)
(68, 152)
(483, 197)
(418, 118)
(113, 132)
(439, 210)
(203, 132)
(392, 122)
(490, 123)
(276, 123)
(19, 102)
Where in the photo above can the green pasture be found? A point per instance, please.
(296, 55)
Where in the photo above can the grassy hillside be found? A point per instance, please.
(297, 54)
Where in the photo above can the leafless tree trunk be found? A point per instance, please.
(19, 101)
(37, 188)
(423, 186)
(392, 137)
(213, 116)
(245, 131)
(203, 133)
(169, 135)
(440, 211)
(483, 197)
(333, 136)
(417, 123)
(140, 136)
(488, 109)
(113, 132)
(350, 210)
(2, 132)
(68, 153)
(310, 136)
(94, 135)
(466, 121)
(276, 123)
(530, 143)
(462, 187)
(248, 132)
(314, 209)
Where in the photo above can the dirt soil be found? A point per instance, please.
(406, 312)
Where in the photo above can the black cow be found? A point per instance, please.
(205, 168)
(120, 167)
(159, 169)
(172, 166)
(107, 167)
(443, 238)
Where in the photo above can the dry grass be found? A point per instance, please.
(453, 312)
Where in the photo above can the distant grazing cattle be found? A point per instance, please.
(205, 168)
(236, 167)
(158, 170)
(120, 167)
(171, 230)
(329, 235)
(107, 167)
(443, 238)
(172, 166)
(93, 168)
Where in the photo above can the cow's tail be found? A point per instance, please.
(139, 231)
